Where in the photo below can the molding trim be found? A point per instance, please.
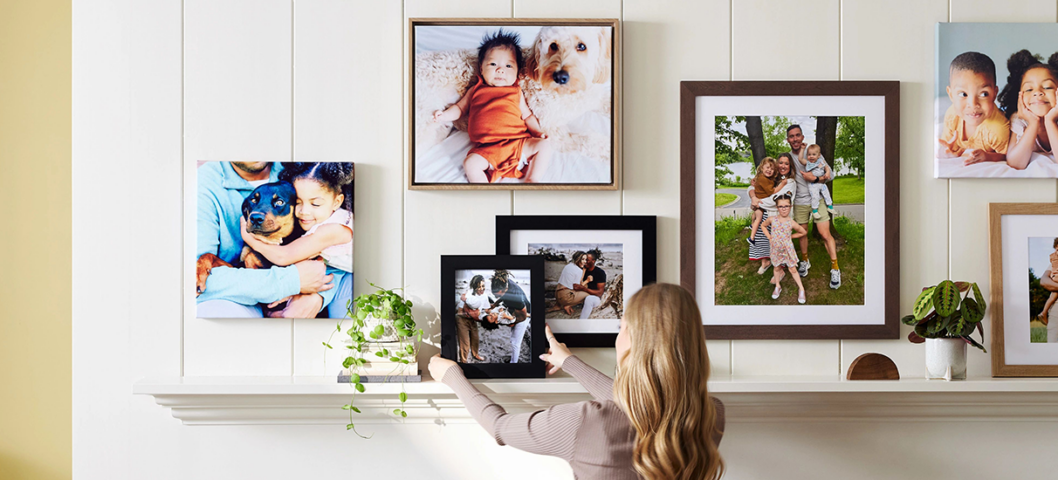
(318, 403)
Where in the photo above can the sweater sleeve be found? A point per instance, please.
(552, 431)
(598, 385)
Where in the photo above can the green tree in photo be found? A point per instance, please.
(730, 145)
(848, 147)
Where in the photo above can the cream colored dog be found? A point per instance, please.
(568, 73)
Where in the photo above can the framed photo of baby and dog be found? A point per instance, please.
(789, 208)
(512, 104)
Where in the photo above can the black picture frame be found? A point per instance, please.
(505, 224)
(449, 342)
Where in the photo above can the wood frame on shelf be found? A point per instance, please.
(996, 211)
(890, 90)
(615, 110)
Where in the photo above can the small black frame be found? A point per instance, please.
(645, 223)
(449, 343)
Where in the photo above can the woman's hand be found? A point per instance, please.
(439, 365)
(557, 353)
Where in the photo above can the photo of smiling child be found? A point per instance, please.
(274, 239)
(508, 142)
(991, 121)
(512, 105)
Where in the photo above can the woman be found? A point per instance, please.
(1052, 315)
(655, 421)
(572, 274)
(761, 248)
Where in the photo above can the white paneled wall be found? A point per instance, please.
(160, 85)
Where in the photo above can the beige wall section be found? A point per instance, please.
(35, 266)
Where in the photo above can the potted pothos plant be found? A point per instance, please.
(384, 340)
(944, 317)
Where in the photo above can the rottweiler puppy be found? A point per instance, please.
(269, 214)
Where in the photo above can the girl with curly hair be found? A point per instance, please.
(1028, 100)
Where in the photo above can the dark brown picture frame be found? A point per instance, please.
(890, 90)
(996, 211)
(615, 101)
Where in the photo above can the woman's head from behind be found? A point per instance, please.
(661, 379)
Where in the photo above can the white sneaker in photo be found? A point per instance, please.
(802, 267)
(835, 279)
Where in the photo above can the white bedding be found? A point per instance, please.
(1040, 165)
(443, 163)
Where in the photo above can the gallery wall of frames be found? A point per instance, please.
(160, 87)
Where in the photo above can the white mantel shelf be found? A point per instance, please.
(317, 400)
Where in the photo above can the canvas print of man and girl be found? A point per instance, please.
(778, 179)
(274, 239)
(493, 314)
(993, 122)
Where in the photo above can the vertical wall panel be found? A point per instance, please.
(969, 198)
(560, 202)
(436, 222)
(865, 58)
(786, 41)
(155, 93)
(666, 42)
(347, 107)
(237, 106)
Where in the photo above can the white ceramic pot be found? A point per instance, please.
(946, 358)
(389, 334)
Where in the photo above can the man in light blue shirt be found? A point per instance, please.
(237, 292)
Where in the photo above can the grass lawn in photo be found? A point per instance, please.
(725, 198)
(737, 282)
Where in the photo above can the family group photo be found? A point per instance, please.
(1043, 289)
(789, 210)
(996, 111)
(513, 104)
(274, 239)
(492, 316)
(582, 281)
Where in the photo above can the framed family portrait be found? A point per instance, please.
(995, 114)
(592, 266)
(266, 235)
(510, 103)
(488, 307)
(1023, 238)
(789, 208)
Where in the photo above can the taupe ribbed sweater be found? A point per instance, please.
(594, 436)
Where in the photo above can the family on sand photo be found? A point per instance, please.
(274, 239)
(493, 314)
(789, 191)
(513, 104)
(991, 121)
(582, 281)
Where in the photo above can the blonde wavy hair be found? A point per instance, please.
(661, 386)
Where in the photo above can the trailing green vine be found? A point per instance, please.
(396, 320)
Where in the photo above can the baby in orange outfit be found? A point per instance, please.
(508, 141)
